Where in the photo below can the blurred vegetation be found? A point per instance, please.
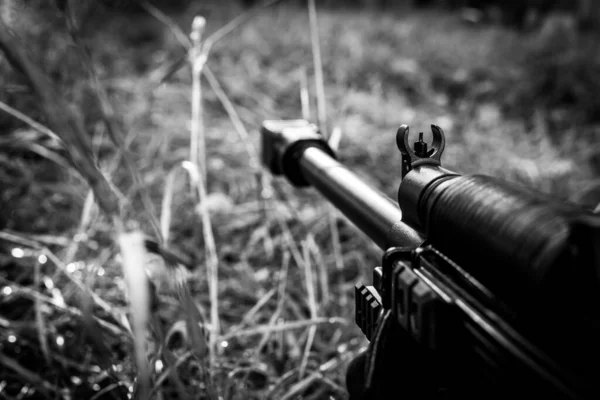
(519, 104)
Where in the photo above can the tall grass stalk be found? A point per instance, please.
(318, 66)
(133, 253)
(198, 60)
(312, 305)
(323, 125)
(304, 94)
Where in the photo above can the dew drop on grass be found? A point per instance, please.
(17, 252)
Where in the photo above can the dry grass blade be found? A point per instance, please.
(169, 372)
(330, 365)
(337, 247)
(173, 27)
(335, 138)
(48, 154)
(84, 221)
(134, 255)
(280, 302)
(172, 363)
(299, 387)
(323, 124)
(198, 161)
(39, 316)
(289, 239)
(167, 201)
(322, 270)
(318, 66)
(38, 240)
(312, 304)
(247, 319)
(304, 95)
(211, 255)
(234, 117)
(90, 326)
(112, 128)
(24, 118)
(286, 326)
(194, 321)
(198, 59)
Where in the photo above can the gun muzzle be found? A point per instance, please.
(297, 150)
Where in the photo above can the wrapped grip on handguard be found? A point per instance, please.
(515, 241)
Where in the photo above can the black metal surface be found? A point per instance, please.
(524, 237)
(372, 212)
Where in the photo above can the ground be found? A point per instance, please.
(276, 260)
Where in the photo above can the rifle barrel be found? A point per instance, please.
(371, 211)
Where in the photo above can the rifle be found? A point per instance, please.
(485, 290)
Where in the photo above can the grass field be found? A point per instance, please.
(65, 330)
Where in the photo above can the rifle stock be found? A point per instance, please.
(485, 288)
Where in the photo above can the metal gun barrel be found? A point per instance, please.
(371, 211)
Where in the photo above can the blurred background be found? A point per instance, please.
(96, 109)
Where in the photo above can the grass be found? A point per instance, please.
(286, 328)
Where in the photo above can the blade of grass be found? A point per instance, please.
(133, 254)
(47, 154)
(198, 161)
(194, 321)
(39, 316)
(323, 124)
(318, 67)
(322, 270)
(198, 59)
(84, 222)
(29, 121)
(247, 318)
(335, 138)
(330, 365)
(312, 304)
(169, 372)
(166, 204)
(280, 302)
(304, 96)
(286, 326)
(211, 258)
